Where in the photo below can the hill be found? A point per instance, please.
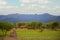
(45, 18)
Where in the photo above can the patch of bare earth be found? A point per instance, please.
(11, 38)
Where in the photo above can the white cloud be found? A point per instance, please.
(27, 9)
(25, 1)
(7, 7)
(28, 1)
(3, 5)
(11, 6)
(36, 1)
(29, 6)
(45, 1)
(2, 2)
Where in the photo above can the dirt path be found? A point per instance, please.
(12, 36)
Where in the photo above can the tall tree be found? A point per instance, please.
(54, 25)
(5, 27)
(21, 24)
(34, 25)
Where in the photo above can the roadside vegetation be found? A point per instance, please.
(31, 30)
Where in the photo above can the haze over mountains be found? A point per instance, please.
(14, 18)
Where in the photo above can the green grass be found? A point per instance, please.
(36, 35)
(1, 33)
(24, 34)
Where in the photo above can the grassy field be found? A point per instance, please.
(36, 35)
(24, 34)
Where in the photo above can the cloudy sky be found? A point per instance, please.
(30, 6)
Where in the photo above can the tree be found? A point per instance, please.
(20, 24)
(31, 25)
(39, 25)
(48, 26)
(34, 25)
(5, 27)
(54, 25)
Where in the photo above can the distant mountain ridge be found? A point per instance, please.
(14, 18)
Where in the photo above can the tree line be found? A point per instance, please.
(5, 26)
(39, 25)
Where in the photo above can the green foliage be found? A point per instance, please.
(21, 24)
(34, 25)
(30, 25)
(48, 26)
(53, 25)
(5, 27)
(39, 25)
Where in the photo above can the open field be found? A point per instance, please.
(36, 35)
(23, 34)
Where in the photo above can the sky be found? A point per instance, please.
(30, 7)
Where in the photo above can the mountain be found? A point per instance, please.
(45, 18)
